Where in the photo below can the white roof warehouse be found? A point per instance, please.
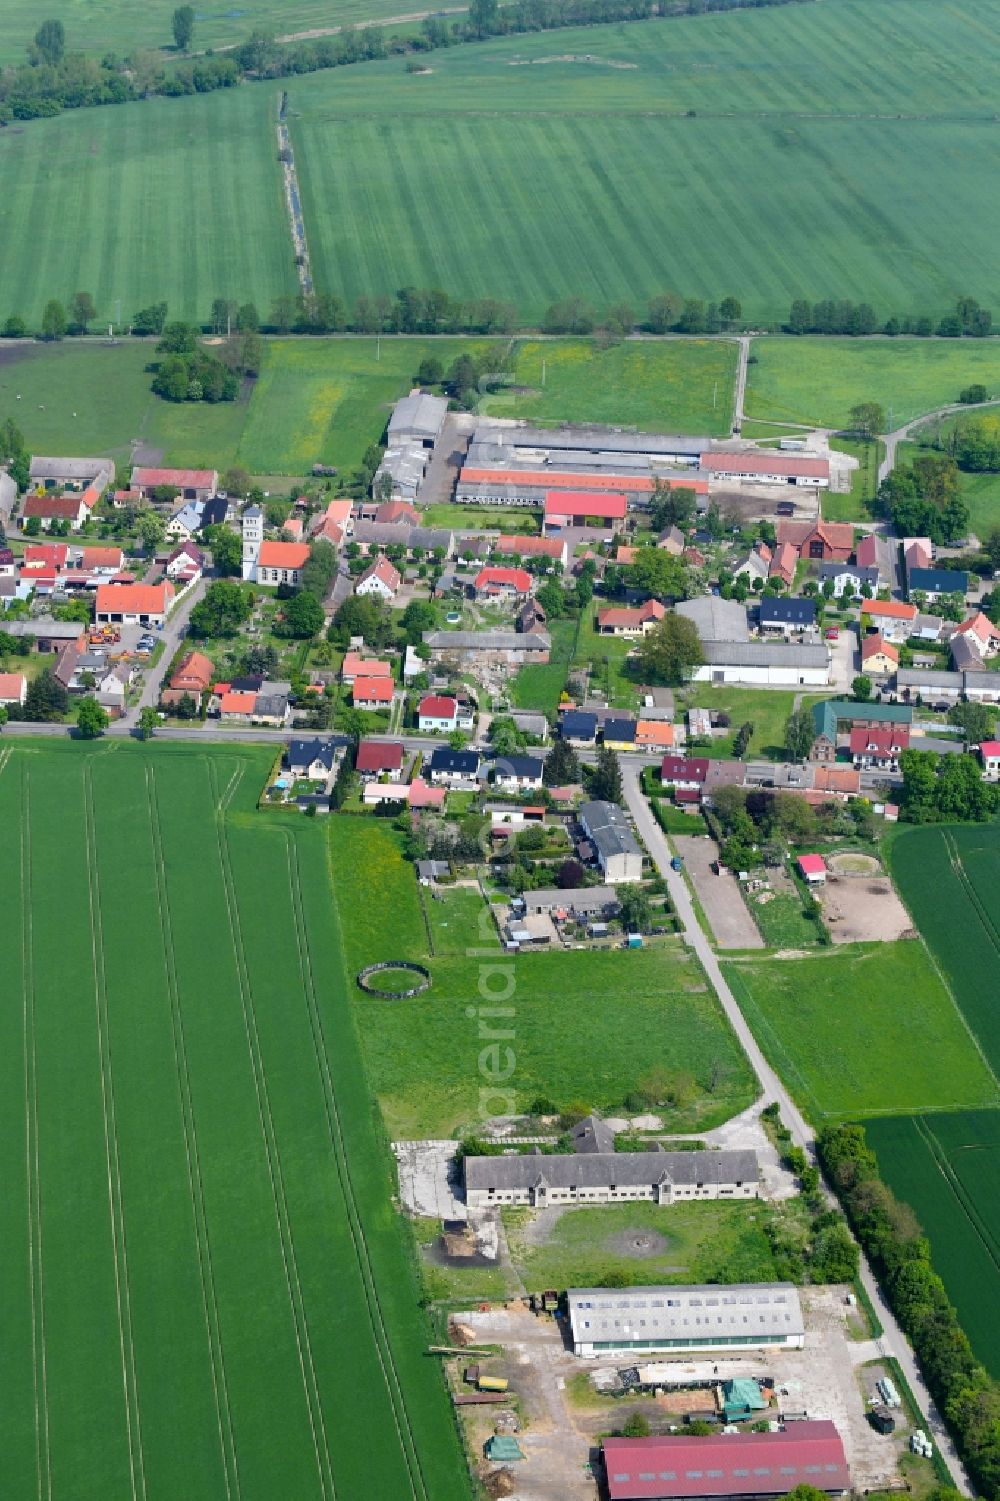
(625, 1320)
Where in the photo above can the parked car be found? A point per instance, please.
(833, 634)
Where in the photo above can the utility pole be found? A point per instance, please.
(378, 346)
(543, 374)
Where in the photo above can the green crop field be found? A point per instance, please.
(815, 380)
(866, 1030)
(144, 203)
(947, 1167)
(603, 162)
(206, 1292)
(587, 1025)
(606, 162)
(950, 880)
(101, 26)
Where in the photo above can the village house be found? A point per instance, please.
(453, 768)
(615, 846)
(186, 522)
(918, 552)
(193, 677)
(833, 713)
(517, 773)
(989, 753)
(379, 758)
(237, 708)
(373, 535)
(849, 578)
(186, 564)
(190, 484)
(672, 541)
(878, 657)
(273, 707)
(49, 510)
(372, 693)
(13, 689)
(555, 549)
(654, 735)
(618, 732)
(893, 618)
(133, 604)
(784, 562)
(578, 726)
(623, 621)
(980, 630)
(687, 773)
(780, 613)
(381, 578)
(502, 583)
(755, 565)
(77, 475)
(356, 664)
(96, 560)
(281, 563)
(311, 758)
(818, 541)
(443, 714)
(934, 583)
(877, 747)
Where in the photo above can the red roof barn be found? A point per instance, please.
(682, 1467)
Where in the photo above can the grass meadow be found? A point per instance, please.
(588, 1025)
(325, 400)
(981, 492)
(863, 1030)
(819, 380)
(947, 1167)
(949, 878)
(198, 1215)
(700, 1243)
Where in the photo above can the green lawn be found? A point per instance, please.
(981, 492)
(766, 709)
(819, 380)
(540, 687)
(947, 1168)
(782, 922)
(607, 654)
(679, 386)
(587, 1025)
(198, 1215)
(867, 1030)
(701, 1243)
(859, 504)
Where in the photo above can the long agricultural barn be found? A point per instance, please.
(771, 663)
(727, 1467)
(610, 1177)
(769, 468)
(626, 1321)
(483, 485)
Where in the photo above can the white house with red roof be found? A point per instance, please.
(980, 629)
(372, 693)
(878, 747)
(281, 563)
(619, 620)
(377, 758)
(812, 868)
(133, 604)
(47, 510)
(357, 665)
(593, 509)
(878, 656)
(724, 1466)
(13, 688)
(186, 564)
(381, 578)
(493, 582)
(765, 467)
(989, 754)
(438, 714)
(686, 773)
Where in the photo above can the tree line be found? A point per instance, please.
(53, 79)
(901, 1257)
(966, 320)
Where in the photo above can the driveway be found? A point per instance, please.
(843, 657)
(172, 634)
(720, 895)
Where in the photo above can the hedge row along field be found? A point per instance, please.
(206, 1292)
(797, 151)
(950, 880)
(947, 1168)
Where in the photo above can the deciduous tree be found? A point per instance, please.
(669, 651)
(182, 25)
(91, 718)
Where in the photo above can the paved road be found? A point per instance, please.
(741, 383)
(893, 1341)
(172, 634)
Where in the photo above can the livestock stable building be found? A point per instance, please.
(709, 1318)
(538, 1179)
(727, 1466)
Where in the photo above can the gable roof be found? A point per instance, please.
(979, 625)
(785, 610)
(437, 706)
(383, 570)
(622, 615)
(833, 711)
(513, 578)
(181, 479)
(134, 599)
(812, 865)
(53, 507)
(621, 729)
(283, 554)
(379, 755)
(446, 759)
(882, 738)
(423, 795)
(195, 669)
(874, 646)
(375, 690)
(304, 752)
(783, 562)
(237, 703)
(578, 724)
(549, 547)
(608, 504)
(684, 768)
(738, 1464)
(936, 581)
(889, 609)
(747, 461)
